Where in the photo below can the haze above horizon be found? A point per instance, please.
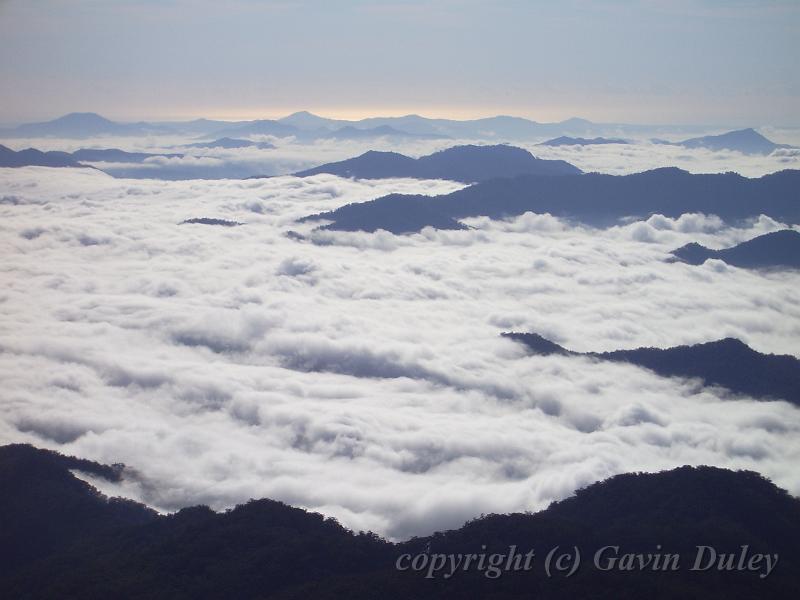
(638, 61)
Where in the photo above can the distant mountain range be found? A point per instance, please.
(82, 125)
(571, 141)
(779, 249)
(36, 158)
(33, 157)
(346, 132)
(746, 141)
(467, 164)
(61, 538)
(593, 199)
(305, 126)
(728, 363)
(232, 144)
(500, 127)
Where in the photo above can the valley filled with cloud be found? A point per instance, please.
(364, 375)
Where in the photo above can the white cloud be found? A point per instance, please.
(363, 375)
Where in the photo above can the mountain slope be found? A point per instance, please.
(776, 249)
(459, 163)
(599, 200)
(265, 549)
(82, 125)
(44, 508)
(746, 141)
(35, 158)
(728, 363)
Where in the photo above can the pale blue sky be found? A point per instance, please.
(649, 61)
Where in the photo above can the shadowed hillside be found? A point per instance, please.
(772, 250)
(266, 549)
(460, 163)
(593, 199)
(728, 363)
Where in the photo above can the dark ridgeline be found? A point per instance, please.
(571, 141)
(396, 213)
(60, 538)
(467, 164)
(729, 363)
(36, 158)
(44, 508)
(746, 141)
(592, 199)
(210, 221)
(779, 249)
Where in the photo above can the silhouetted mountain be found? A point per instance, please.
(460, 163)
(33, 157)
(44, 508)
(776, 249)
(36, 158)
(395, 213)
(231, 143)
(571, 141)
(746, 141)
(266, 549)
(81, 125)
(310, 122)
(499, 127)
(594, 199)
(729, 363)
(210, 221)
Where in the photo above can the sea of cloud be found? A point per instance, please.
(363, 375)
(291, 156)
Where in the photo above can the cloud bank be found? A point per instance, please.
(362, 375)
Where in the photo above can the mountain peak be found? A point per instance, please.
(82, 118)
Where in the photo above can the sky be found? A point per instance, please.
(726, 62)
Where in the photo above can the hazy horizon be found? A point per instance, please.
(647, 62)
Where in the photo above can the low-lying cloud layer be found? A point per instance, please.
(362, 375)
(291, 156)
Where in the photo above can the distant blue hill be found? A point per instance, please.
(460, 163)
(571, 141)
(232, 143)
(36, 158)
(499, 128)
(33, 157)
(82, 125)
(729, 363)
(338, 132)
(307, 127)
(746, 141)
(772, 250)
(116, 156)
(593, 199)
